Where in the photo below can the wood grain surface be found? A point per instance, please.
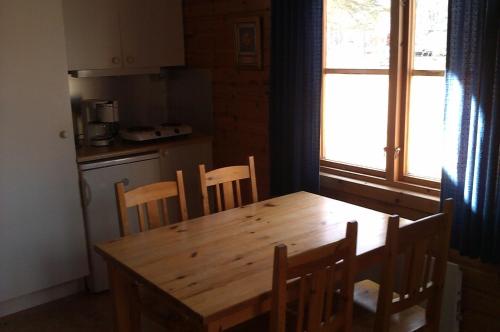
(216, 265)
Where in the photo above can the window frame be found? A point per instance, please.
(400, 72)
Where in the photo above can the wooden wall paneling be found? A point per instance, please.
(240, 97)
(382, 193)
(373, 204)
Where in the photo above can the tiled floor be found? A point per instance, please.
(79, 313)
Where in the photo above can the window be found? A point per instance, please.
(383, 90)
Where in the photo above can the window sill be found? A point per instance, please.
(389, 199)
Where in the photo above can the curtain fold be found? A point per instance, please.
(471, 168)
(295, 101)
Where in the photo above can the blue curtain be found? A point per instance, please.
(472, 131)
(295, 101)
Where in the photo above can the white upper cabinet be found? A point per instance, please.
(110, 34)
(152, 33)
(92, 29)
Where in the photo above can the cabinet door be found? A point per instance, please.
(187, 158)
(152, 33)
(92, 34)
(42, 240)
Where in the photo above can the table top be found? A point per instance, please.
(212, 264)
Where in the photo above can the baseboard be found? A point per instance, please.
(37, 298)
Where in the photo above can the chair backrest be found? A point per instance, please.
(322, 285)
(227, 178)
(149, 196)
(422, 249)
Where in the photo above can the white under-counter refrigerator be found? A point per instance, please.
(99, 201)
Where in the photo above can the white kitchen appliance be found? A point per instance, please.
(99, 202)
(147, 133)
(100, 121)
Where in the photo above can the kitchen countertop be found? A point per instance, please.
(121, 148)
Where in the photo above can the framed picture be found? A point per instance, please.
(248, 43)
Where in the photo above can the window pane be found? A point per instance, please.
(430, 34)
(355, 119)
(425, 127)
(358, 34)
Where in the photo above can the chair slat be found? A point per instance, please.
(165, 216)
(301, 305)
(218, 197)
(225, 177)
(227, 187)
(417, 265)
(428, 268)
(153, 215)
(330, 288)
(405, 282)
(316, 301)
(141, 218)
(238, 193)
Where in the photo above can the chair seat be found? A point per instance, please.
(365, 300)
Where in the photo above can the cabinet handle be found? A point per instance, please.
(86, 194)
(130, 59)
(115, 60)
(63, 134)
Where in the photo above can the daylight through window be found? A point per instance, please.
(383, 89)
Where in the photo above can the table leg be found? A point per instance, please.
(127, 316)
(214, 327)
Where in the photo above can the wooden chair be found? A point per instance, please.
(422, 248)
(146, 301)
(149, 196)
(227, 178)
(324, 287)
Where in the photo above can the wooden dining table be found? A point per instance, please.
(216, 270)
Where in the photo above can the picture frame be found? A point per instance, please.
(248, 44)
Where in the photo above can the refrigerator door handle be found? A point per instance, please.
(87, 193)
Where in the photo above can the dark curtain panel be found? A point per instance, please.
(472, 130)
(296, 65)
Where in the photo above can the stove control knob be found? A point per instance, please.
(158, 133)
